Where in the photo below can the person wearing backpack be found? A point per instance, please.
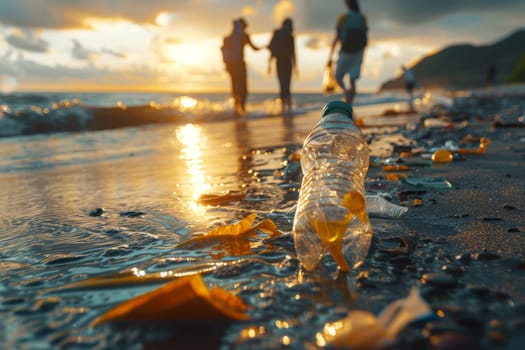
(352, 34)
(282, 49)
(233, 58)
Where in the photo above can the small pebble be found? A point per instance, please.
(97, 212)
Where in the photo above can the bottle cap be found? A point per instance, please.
(338, 107)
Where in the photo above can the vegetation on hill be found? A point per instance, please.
(465, 66)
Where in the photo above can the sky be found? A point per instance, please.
(161, 45)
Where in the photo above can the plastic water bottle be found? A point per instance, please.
(379, 207)
(331, 212)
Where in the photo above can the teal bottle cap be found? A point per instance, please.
(338, 107)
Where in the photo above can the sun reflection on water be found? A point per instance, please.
(185, 103)
(192, 141)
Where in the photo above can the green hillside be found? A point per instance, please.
(464, 66)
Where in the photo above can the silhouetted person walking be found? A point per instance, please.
(282, 48)
(352, 33)
(233, 57)
(490, 75)
(410, 84)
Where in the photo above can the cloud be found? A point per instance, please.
(26, 40)
(80, 53)
(316, 43)
(113, 53)
(282, 9)
(410, 12)
(71, 14)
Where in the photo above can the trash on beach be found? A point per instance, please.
(437, 123)
(416, 202)
(430, 182)
(332, 232)
(396, 167)
(329, 83)
(361, 329)
(395, 112)
(187, 298)
(442, 156)
(219, 199)
(395, 176)
(234, 238)
(483, 143)
(377, 206)
(331, 212)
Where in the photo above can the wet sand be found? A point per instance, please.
(463, 246)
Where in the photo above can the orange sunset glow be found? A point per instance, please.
(175, 46)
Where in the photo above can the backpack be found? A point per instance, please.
(231, 50)
(354, 33)
(281, 45)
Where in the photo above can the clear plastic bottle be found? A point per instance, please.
(331, 211)
(379, 207)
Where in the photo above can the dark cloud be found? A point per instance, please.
(26, 40)
(410, 12)
(323, 14)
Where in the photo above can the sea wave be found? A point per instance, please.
(74, 117)
(41, 113)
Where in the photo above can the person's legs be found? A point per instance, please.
(243, 87)
(351, 92)
(341, 69)
(284, 73)
(239, 88)
(355, 61)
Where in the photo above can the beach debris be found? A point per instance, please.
(234, 238)
(220, 199)
(396, 167)
(439, 279)
(437, 123)
(96, 212)
(187, 298)
(393, 112)
(361, 329)
(429, 182)
(442, 156)
(483, 143)
(378, 206)
(417, 202)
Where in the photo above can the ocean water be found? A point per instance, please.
(144, 160)
(37, 113)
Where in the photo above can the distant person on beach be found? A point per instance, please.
(410, 84)
(233, 57)
(352, 33)
(282, 48)
(490, 75)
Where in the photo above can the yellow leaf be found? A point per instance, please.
(187, 298)
(236, 229)
(232, 238)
